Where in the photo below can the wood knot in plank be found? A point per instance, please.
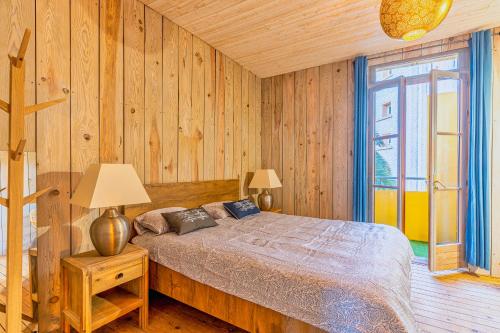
(199, 58)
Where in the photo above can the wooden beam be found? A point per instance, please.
(16, 155)
(32, 197)
(15, 194)
(22, 49)
(4, 202)
(4, 106)
(41, 106)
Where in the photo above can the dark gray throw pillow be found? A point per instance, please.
(189, 220)
(242, 208)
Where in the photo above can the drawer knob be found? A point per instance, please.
(119, 276)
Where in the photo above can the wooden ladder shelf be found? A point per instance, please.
(16, 200)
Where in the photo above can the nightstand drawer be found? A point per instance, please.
(116, 276)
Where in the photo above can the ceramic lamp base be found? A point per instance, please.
(265, 201)
(110, 232)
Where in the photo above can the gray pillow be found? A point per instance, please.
(216, 210)
(154, 221)
(189, 220)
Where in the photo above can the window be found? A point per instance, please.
(386, 109)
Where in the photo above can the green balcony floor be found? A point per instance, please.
(420, 249)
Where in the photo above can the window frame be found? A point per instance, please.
(463, 72)
(463, 63)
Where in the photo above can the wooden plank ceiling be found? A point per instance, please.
(275, 37)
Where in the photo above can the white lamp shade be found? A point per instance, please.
(109, 185)
(265, 178)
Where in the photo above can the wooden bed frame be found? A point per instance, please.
(229, 308)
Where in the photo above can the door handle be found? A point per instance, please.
(436, 183)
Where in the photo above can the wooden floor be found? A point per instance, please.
(453, 302)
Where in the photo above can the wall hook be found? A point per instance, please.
(19, 150)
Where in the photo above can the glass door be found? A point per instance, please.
(386, 170)
(416, 159)
(446, 171)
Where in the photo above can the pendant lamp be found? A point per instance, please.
(412, 19)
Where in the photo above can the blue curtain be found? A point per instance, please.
(360, 170)
(477, 232)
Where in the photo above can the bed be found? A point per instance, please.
(279, 273)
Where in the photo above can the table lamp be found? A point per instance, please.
(265, 179)
(109, 186)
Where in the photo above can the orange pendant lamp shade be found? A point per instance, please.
(412, 19)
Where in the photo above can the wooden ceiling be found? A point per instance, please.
(274, 37)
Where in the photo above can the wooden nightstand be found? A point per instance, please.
(97, 290)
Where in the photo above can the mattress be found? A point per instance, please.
(339, 276)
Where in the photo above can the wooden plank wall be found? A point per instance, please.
(307, 121)
(140, 90)
(53, 147)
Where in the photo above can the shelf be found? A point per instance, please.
(107, 306)
(112, 304)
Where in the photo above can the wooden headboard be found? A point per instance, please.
(189, 195)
